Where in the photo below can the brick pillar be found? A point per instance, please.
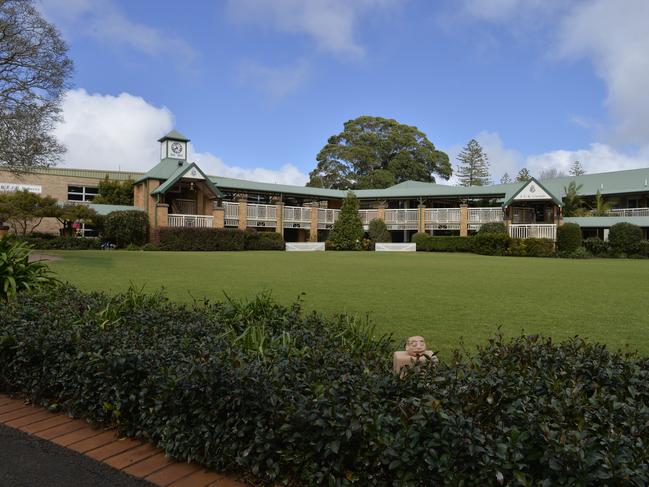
(218, 217)
(381, 215)
(509, 216)
(421, 220)
(464, 220)
(557, 216)
(313, 231)
(160, 219)
(280, 218)
(243, 214)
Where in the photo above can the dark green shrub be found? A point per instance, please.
(378, 231)
(643, 248)
(493, 227)
(62, 243)
(150, 247)
(347, 233)
(133, 247)
(568, 237)
(625, 238)
(199, 239)
(490, 243)
(254, 240)
(299, 399)
(422, 240)
(539, 247)
(579, 253)
(126, 227)
(17, 274)
(596, 246)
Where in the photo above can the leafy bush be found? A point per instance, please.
(303, 400)
(643, 248)
(568, 237)
(534, 247)
(347, 233)
(491, 243)
(150, 247)
(493, 227)
(625, 238)
(578, 253)
(17, 274)
(201, 239)
(429, 243)
(126, 227)
(61, 243)
(596, 246)
(254, 240)
(133, 247)
(378, 231)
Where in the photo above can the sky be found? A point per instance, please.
(260, 85)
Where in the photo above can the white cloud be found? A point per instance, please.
(330, 23)
(120, 132)
(105, 22)
(276, 82)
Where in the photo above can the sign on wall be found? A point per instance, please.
(11, 187)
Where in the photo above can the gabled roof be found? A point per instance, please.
(163, 170)
(173, 135)
(614, 182)
(179, 173)
(511, 196)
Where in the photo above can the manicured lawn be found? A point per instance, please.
(445, 297)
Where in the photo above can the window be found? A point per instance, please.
(82, 193)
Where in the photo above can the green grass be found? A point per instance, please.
(444, 297)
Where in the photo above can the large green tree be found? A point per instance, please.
(34, 73)
(115, 192)
(473, 167)
(347, 233)
(24, 211)
(375, 152)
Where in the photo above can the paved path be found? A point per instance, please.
(38, 447)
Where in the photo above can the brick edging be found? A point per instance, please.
(136, 458)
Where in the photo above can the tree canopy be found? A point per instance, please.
(34, 71)
(473, 167)
(523, 175)
(347, 232)
(115, 192)
(576, 169)
(375, 152)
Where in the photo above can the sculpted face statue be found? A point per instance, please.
(415, 346)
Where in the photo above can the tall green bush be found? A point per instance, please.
(493, 227)
(255, 240)
(568, 237)
(347, 233)
(491, 243)
(625, 238)
(378, 231)
(200, 239)
(126, 227)
(17, 273)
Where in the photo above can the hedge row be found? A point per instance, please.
(216, 239)
(486, 244)
(62, 243)
(428, 243)
(286, 397)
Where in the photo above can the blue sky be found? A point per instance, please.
(259, 85)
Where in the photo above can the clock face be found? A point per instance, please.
(176, 149)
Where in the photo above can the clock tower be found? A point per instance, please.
(173, 146)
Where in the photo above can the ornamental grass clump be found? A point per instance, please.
(282, 396)
(17, 273)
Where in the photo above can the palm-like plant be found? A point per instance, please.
(572, 201)
(602, 206)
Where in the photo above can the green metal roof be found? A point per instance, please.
(509, 197)
(173, 135)
(163, 170)
(85, 173)
(106, 209)
(606, 221)
(244, 185)
(628, 181)
(179, 173)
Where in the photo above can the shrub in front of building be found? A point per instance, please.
(126, 227)
(625, 238)
(52, 242)
(347, 233)
(643, 248)
(290, 398)
(493, 227)
(491, 243)
(254, 240)
(430, 243)
(531, 247)
(568, 237)
(199, 239)
(378, 231)
(596, 246)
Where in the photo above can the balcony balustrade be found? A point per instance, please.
(196, 221)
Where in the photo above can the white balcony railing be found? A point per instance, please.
(629, 212)
(231, 214)
(297, 217)
(485, 215)
(442, 215)
(548, 231)
(261, 215)
(402, 219)
(197, 221)
(327, 218)
(367, 216)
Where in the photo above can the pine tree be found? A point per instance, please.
(576, 169)
(347, 233)
(473, 167)
(523, 175)
(506, 179)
